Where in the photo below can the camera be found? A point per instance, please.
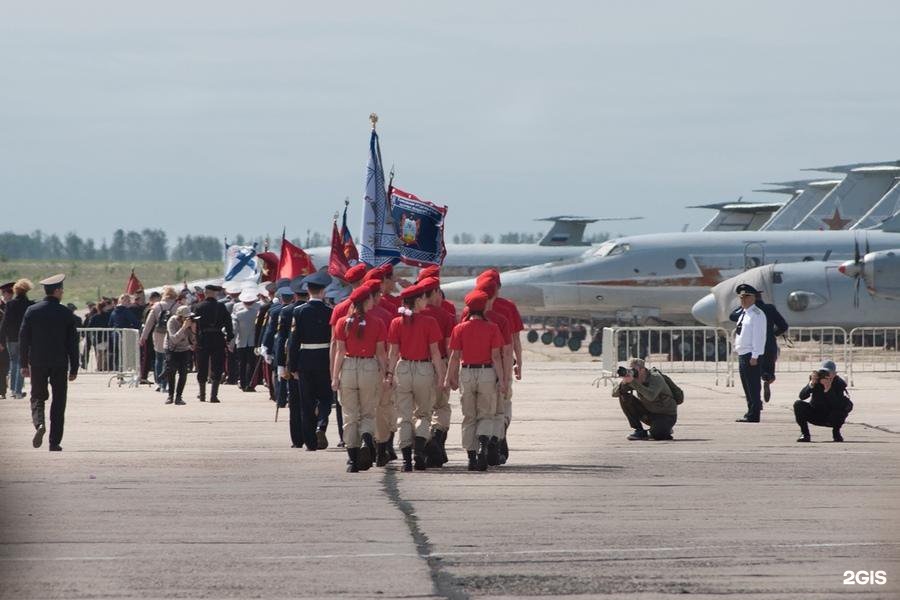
(624, 372)
(194, 317)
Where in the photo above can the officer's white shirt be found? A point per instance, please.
(752, 337)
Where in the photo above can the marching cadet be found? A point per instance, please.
(508, 309)
(435, 271)
(750, 346)
(213, 333)
(283, 295)
(309, 360)
(415, 370)
(440, 421)
(359, 366)
(386, 411)
(48, 346)
(498, 439)
(291, 385)
(389, 301)
(266, 298)
(476, 343)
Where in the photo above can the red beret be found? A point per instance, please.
(360, 294)
(432, 271)
(387, 270)
(373, 274)
(429, 284)
(411, 291)
(373, 285)
(355, 273)
(488, 286)
(476, 300)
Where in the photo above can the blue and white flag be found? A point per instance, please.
(420, 229)
(240, 264)
(378, 243)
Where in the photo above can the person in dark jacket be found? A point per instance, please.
(777, 327)
(214, 331)
(123, 316)
(9, 333)
(49, 353)
(6, 294)
(829, 406)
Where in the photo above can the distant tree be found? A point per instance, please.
(155, 246)
(487, 239)
(74, 246)
(89, 252)
(117, 247)
(55, 247)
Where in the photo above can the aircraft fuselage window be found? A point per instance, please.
(680, 263)
(619, 249)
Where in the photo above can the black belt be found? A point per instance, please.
(414, 360)
(488, 366)
(352, 356)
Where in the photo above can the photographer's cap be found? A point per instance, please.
(828, 365)
(183, 311)
(637, 363)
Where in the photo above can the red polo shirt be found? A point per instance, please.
(415, 337)
(445, 321)
(340, 310)
(508, 309)
(475, 340)
(364, 346)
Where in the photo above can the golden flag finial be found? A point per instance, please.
(374, 119)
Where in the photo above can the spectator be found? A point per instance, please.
(180, 342)
(153, 337)
(9, 333)
(243, 318)
(645, 397)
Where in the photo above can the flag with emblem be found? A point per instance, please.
(240, 264)
(419, 227)
(293, 262)
(378, 244)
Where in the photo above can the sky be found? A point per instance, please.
(219, 118)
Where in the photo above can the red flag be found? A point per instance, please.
(294, 262)
(134, 284)
(338, 262)
(269, 265)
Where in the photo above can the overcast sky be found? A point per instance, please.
(235, 117)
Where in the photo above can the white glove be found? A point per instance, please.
(282, 371)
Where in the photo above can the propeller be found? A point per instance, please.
(854, 269)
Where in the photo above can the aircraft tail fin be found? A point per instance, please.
(567, 230)
(891, 224)
(849, 168)
(739, 216)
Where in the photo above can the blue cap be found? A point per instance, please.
(284, 291)
(297, 285)
(828, 365)
(319, 278)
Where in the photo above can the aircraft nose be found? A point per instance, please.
(706, 310)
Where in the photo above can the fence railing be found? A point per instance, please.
(113, 352)
(709, 349)
(671, 349)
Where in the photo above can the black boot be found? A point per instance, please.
(493, 452)
(439, 437)
(483, 442)
(836, 434)
(353, 462)
(390, 448)
(504, 451)
(473, 460)
(367, 452)
(381, 457)
(214, 392)
(419, 454)
(202, 395)
(433, 451)
(407, 459)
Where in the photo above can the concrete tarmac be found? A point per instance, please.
(210, 501)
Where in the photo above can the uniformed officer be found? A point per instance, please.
(214, 331)
(290, 385)
(283, 295)
(750, 346)
(309, 360)
(49, 354)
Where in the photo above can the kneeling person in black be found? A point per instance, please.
(829, 406)
(645, 397)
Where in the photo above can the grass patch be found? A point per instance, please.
(88, 279)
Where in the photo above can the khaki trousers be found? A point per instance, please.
(386, 416)
(503, 415)
(441, 418)
(360, 392)
(479, 404)
(415, 399)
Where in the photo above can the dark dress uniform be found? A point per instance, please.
(309, 356)
(213, 319)
(49, 347)
(290, 389)
(268, 340)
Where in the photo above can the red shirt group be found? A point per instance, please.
(475, 340)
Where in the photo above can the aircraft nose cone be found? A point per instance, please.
(706, 310)
(849, 268)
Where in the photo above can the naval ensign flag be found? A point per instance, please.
(378, 243)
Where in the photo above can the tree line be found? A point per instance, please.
(153, 244)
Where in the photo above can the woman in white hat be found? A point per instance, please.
(243, 318)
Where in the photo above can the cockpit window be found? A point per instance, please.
(611, 249)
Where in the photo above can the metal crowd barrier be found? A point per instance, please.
(873, 350)
(113, 352)
(671, 349)
(804, 348)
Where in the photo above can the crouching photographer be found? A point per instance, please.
(829, 405)
(646, 398)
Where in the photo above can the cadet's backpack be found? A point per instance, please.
(677, 392)
(162, 320)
